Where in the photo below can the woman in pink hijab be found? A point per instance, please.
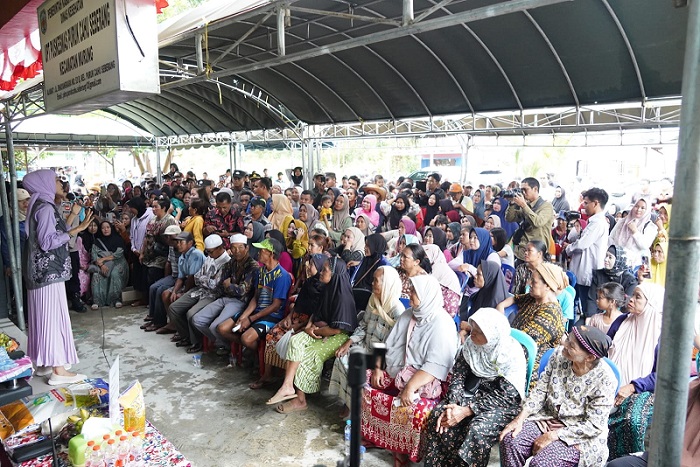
(369, 202)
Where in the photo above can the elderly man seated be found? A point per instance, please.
(239, 280)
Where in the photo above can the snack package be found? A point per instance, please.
(134, 408)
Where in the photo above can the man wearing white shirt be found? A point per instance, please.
(588, 252)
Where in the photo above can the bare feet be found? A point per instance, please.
(61, 371)
(294, 405)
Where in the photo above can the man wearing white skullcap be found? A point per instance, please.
(238, 284)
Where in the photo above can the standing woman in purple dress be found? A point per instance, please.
(47, 267)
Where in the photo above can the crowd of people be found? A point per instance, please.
(440, 272)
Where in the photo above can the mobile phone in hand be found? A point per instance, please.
(646, 269)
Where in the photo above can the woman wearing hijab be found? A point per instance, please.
(50, 338)
(499, 209)
(659, 255)
(492, 287)
(111, 269)
(479, 206)
(334, 318)
(406, 227)
(475, 247)
(462, 428)
(255, 233)
(565, 416)
(341, 219)
(400, 208)
(285, 258)
(300, 311)
(368, 209)
(635, 233)
(636, 338)
(614, 269)
(352, 246)
(431, 210)
(449, 283)
(281, 209)
(383, 309)
(452, 235)
(420, 353)
(363, 223)
(308, 215)
(363, 276)
(663, 221)
(539, 313)
(560, 203)
(296, 241)
(435, 236)
(492, 222)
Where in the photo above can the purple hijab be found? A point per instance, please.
(41, 184)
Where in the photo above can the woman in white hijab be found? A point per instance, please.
(449, 282)
(634, 342)
(487, 387)
(420, 353)
(383, 309)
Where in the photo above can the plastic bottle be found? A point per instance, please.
(109, 452)
(136, 455)
(197, 360)
(95, 459)
(123, 450)
(88, 450)
(362, 453)
(347, 438)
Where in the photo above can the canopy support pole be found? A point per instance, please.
(682, 280)
(407, 12)
(159, 170)
(198, 51)
(281, 40)
(12, 222)
(231, 165)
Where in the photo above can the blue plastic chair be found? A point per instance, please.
(509, 275)
(697, 363)
(548, 354)
(531, 347)
(510, 312)
(406, 302)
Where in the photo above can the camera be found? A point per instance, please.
(510, 194)
(572, 216)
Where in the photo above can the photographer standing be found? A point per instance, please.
(534, 214)
(588, 252)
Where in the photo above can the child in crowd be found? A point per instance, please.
(326, 212)
(611, 298)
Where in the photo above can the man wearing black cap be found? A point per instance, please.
(257, 212)
(238, 185)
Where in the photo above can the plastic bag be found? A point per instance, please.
(283, 344)
(134, 408)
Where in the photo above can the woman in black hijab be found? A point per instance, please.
(615, 269)
(109, 267)
(329, 327)
(439, 237)
(492, 288)
(375, 247)
(397, 211)
(560, 203)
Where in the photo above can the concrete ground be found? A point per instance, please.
(209, 413)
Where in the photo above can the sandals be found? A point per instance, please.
(287, 408)
(151, 327)
(196, 348)
(276, 400)
(166, 330)
(148, 318)
(183, 343)
(176, 337)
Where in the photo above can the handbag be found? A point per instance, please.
(431, 390)
(283, 344)
(160, 249)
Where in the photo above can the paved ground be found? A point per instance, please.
(210, 414)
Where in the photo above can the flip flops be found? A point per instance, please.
(259, 384)
(286, 408)
(276, 400)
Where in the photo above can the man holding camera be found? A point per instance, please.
(534, 214)
(588, 252)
